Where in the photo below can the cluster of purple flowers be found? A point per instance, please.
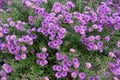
(3, 2)
(42, 57)
(12, 43)
(90, 43)
(69, 67)
(19, 25)
(114, 67)
(52, 23)
(32, 3)
(3, 30)
(6, 70)
(66, 66)
(106, 16)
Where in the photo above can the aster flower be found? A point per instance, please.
(112, 55)
(95, 26)
(106, 74)
(23, 48)
(72, 50)
(3, 78)
(18, 57)
(54, 67)
(88, 65)
(76, 64)
(82, 75)
(65, 57)
(65, 68)
(97, 37)
(118, 44)
(69, 63)
(9, 19)
(64, 73)
(3, 73)
(23, 56)
(115, 78)
(64, 63)
(1, 34)
(97, 77)
(28, 4)
(74, 74)
(107, 38)
(12, 23)
(58, 56)
(91, 78)
(45, 78)
(59, 68)
(7, 68)
(13, 37)
(58, 75)
(91, 38)
(44, 49)
(43, 62)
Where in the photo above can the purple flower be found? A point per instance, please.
(97, 37)
(76, 64)
(9, 19)
(7, 68)
(18, 57)
(65, 68)
(1, 35)
(76, 28)
(91, 38)
(74, 74)
(91, 78)
(5, 31)
(65, 57)
(3, 73)
(118, 44)
(59, 68)
(23, 56)
(82, 75)
(43, 62)
(3, 78)
(88, 65)
(58, 56)
(54, 67)
(72, 50)
(106, 74)
(112, 55)
(75, 60)
(69, 63)
(64, 63)
(97, 77)
(33, 36)
(58, 75)
(115, 78)
(12, 23)
(64, 73)
(45, 78)
(44, 49)
(13, 37)
(107, 38)
(70, 5)
(23, 48)
(95, 26)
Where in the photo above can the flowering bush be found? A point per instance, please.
(59, 40)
